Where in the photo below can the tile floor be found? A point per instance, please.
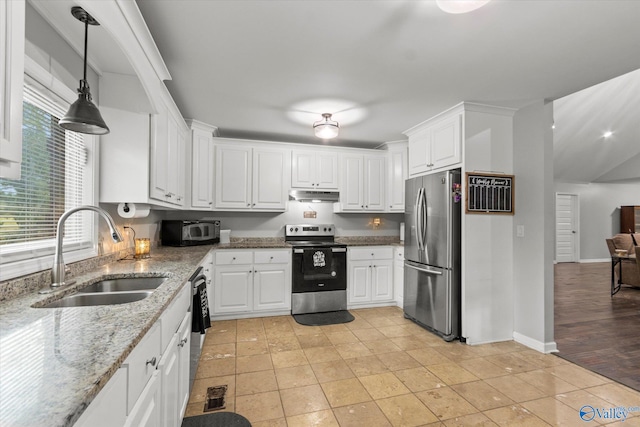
(383, 370)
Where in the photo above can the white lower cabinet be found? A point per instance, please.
(398, 275)
(109, 408)
(147, 409)
(174, 372)
(370, 277)
(247, 281)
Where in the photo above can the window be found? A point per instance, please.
(56, 175)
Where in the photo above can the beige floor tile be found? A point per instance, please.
(540, 359)
(381, 346)
(515, 415)
(616, 394)
(428, 356)
(321, 354)
(260, 362)
(314, 419)
(395, 331)
(218, 351)
(287, 342)
(332, 371)
(553, 412)
(220, 337)
(452, 373)
(455, 351)
(366, 365)
(302, 400)
(473, 420)
(577, 399)
(406, 410)
(380, 322)
(629, 422)
(287, 359)
(398, 360)
(260, 406)
(329, 329)
(221, 326)
(251, 348)
(482, 395)
(251, 335)
(515, 388)
(482, 368)
(362, 414)
(345, 392)
(578, 376)
(410, 342)
(348, 351)
(369, 334)
(296, 376)
(305, 330)
(358, 324)
(216, 367)
(546, 382)
(380, 386)
(419, 379)
(199, 389)
(429, 338)
(345, 337)
(314, 340)
(445, 403)
(278, 422)
(510, 363)
(251, 323)
(256, 382)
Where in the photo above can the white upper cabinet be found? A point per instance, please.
(396, 176)
(363, 182)
(314, 170)
(249, 178)
(12, 36)
(436, 143)
(202, 157)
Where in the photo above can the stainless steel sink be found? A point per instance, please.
(105, 298)
(124, 284)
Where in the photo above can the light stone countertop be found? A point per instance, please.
(54, 361)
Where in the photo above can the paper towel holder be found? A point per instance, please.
(126, 207)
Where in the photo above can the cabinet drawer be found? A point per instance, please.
(141, 364)
(272, 257)
(171, 318)
(370, 252)
(234, 257)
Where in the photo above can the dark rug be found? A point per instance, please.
(322, 319)
(219, 419)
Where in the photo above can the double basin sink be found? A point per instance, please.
(110, 292)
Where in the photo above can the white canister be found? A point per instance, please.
(402, 231)
(225, 236)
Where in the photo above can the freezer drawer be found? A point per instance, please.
(430, 299)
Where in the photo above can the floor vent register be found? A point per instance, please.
(215, 398)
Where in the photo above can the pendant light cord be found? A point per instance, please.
(86, 36)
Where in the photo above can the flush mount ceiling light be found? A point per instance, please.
(607, 134)
(83, 116)
(460, 6)
(327, 128)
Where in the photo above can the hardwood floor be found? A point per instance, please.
(594, 330)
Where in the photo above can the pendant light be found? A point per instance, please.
(83, 116)
(327, 128)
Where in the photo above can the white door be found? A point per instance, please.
(326, 173)
(202, 169)
(445, 142)
(382, 280)
(269, 186)
(351, 195)
(567, 228)
(233, 177)
(232, 289)
(374, 182)
(270, 289)
(303, 169)
(359, 284)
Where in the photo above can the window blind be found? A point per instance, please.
(51, 180)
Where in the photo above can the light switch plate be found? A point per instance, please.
(520, 231)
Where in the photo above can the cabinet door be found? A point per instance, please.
(147, 411)
(359, 283)
(232, 289)
(184, 359)
(446, 143)
(233, 177)
(398, 276)
(351, 192)
(382, 280)
(159, 178)
(202, 169)
(12, 28)
(374, 182)
(169, 371)
(326, 176)
(303, 169)
(419, 152)
(109, 408)
(397, 175)
(270, 186)
(272, 287)
(175, 156)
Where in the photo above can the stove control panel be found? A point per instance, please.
(309, 230)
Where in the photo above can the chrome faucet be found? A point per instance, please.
(58, 269)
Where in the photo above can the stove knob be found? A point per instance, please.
(329, 228)
(296, 229)
(325, 229)
(291, 229)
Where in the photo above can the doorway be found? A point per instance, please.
(567, 226)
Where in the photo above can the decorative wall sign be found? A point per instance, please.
(489, 193)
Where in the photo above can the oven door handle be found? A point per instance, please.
(300, 251)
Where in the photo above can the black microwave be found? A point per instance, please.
(189, 233)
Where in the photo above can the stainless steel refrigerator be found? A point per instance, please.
(432, 273)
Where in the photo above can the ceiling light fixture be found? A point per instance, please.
(83, 116)
(460, 6)
(327, 128)
(607, 134)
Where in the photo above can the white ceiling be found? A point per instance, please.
(267, 69)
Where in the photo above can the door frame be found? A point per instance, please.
(576, 223)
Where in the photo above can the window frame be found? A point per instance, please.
(38, 256)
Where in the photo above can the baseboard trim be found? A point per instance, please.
(542, 347)
(586, 261)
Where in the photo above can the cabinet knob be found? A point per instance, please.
(248, 204)
(151, 361)
(253, 204)
(367, 206)
(362, 206)
(271, 257)
(210, 203)
(168, 195)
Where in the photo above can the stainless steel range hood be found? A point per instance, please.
(314, 196)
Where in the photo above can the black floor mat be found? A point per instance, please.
(321, 319)
(219, 419)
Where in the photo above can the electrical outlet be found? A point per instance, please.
(520, 231)
(310, 214)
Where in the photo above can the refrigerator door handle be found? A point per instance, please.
(425, 224)
(424, 270)
(417, 213)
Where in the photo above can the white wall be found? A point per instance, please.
(600, 213)
(535, 210)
